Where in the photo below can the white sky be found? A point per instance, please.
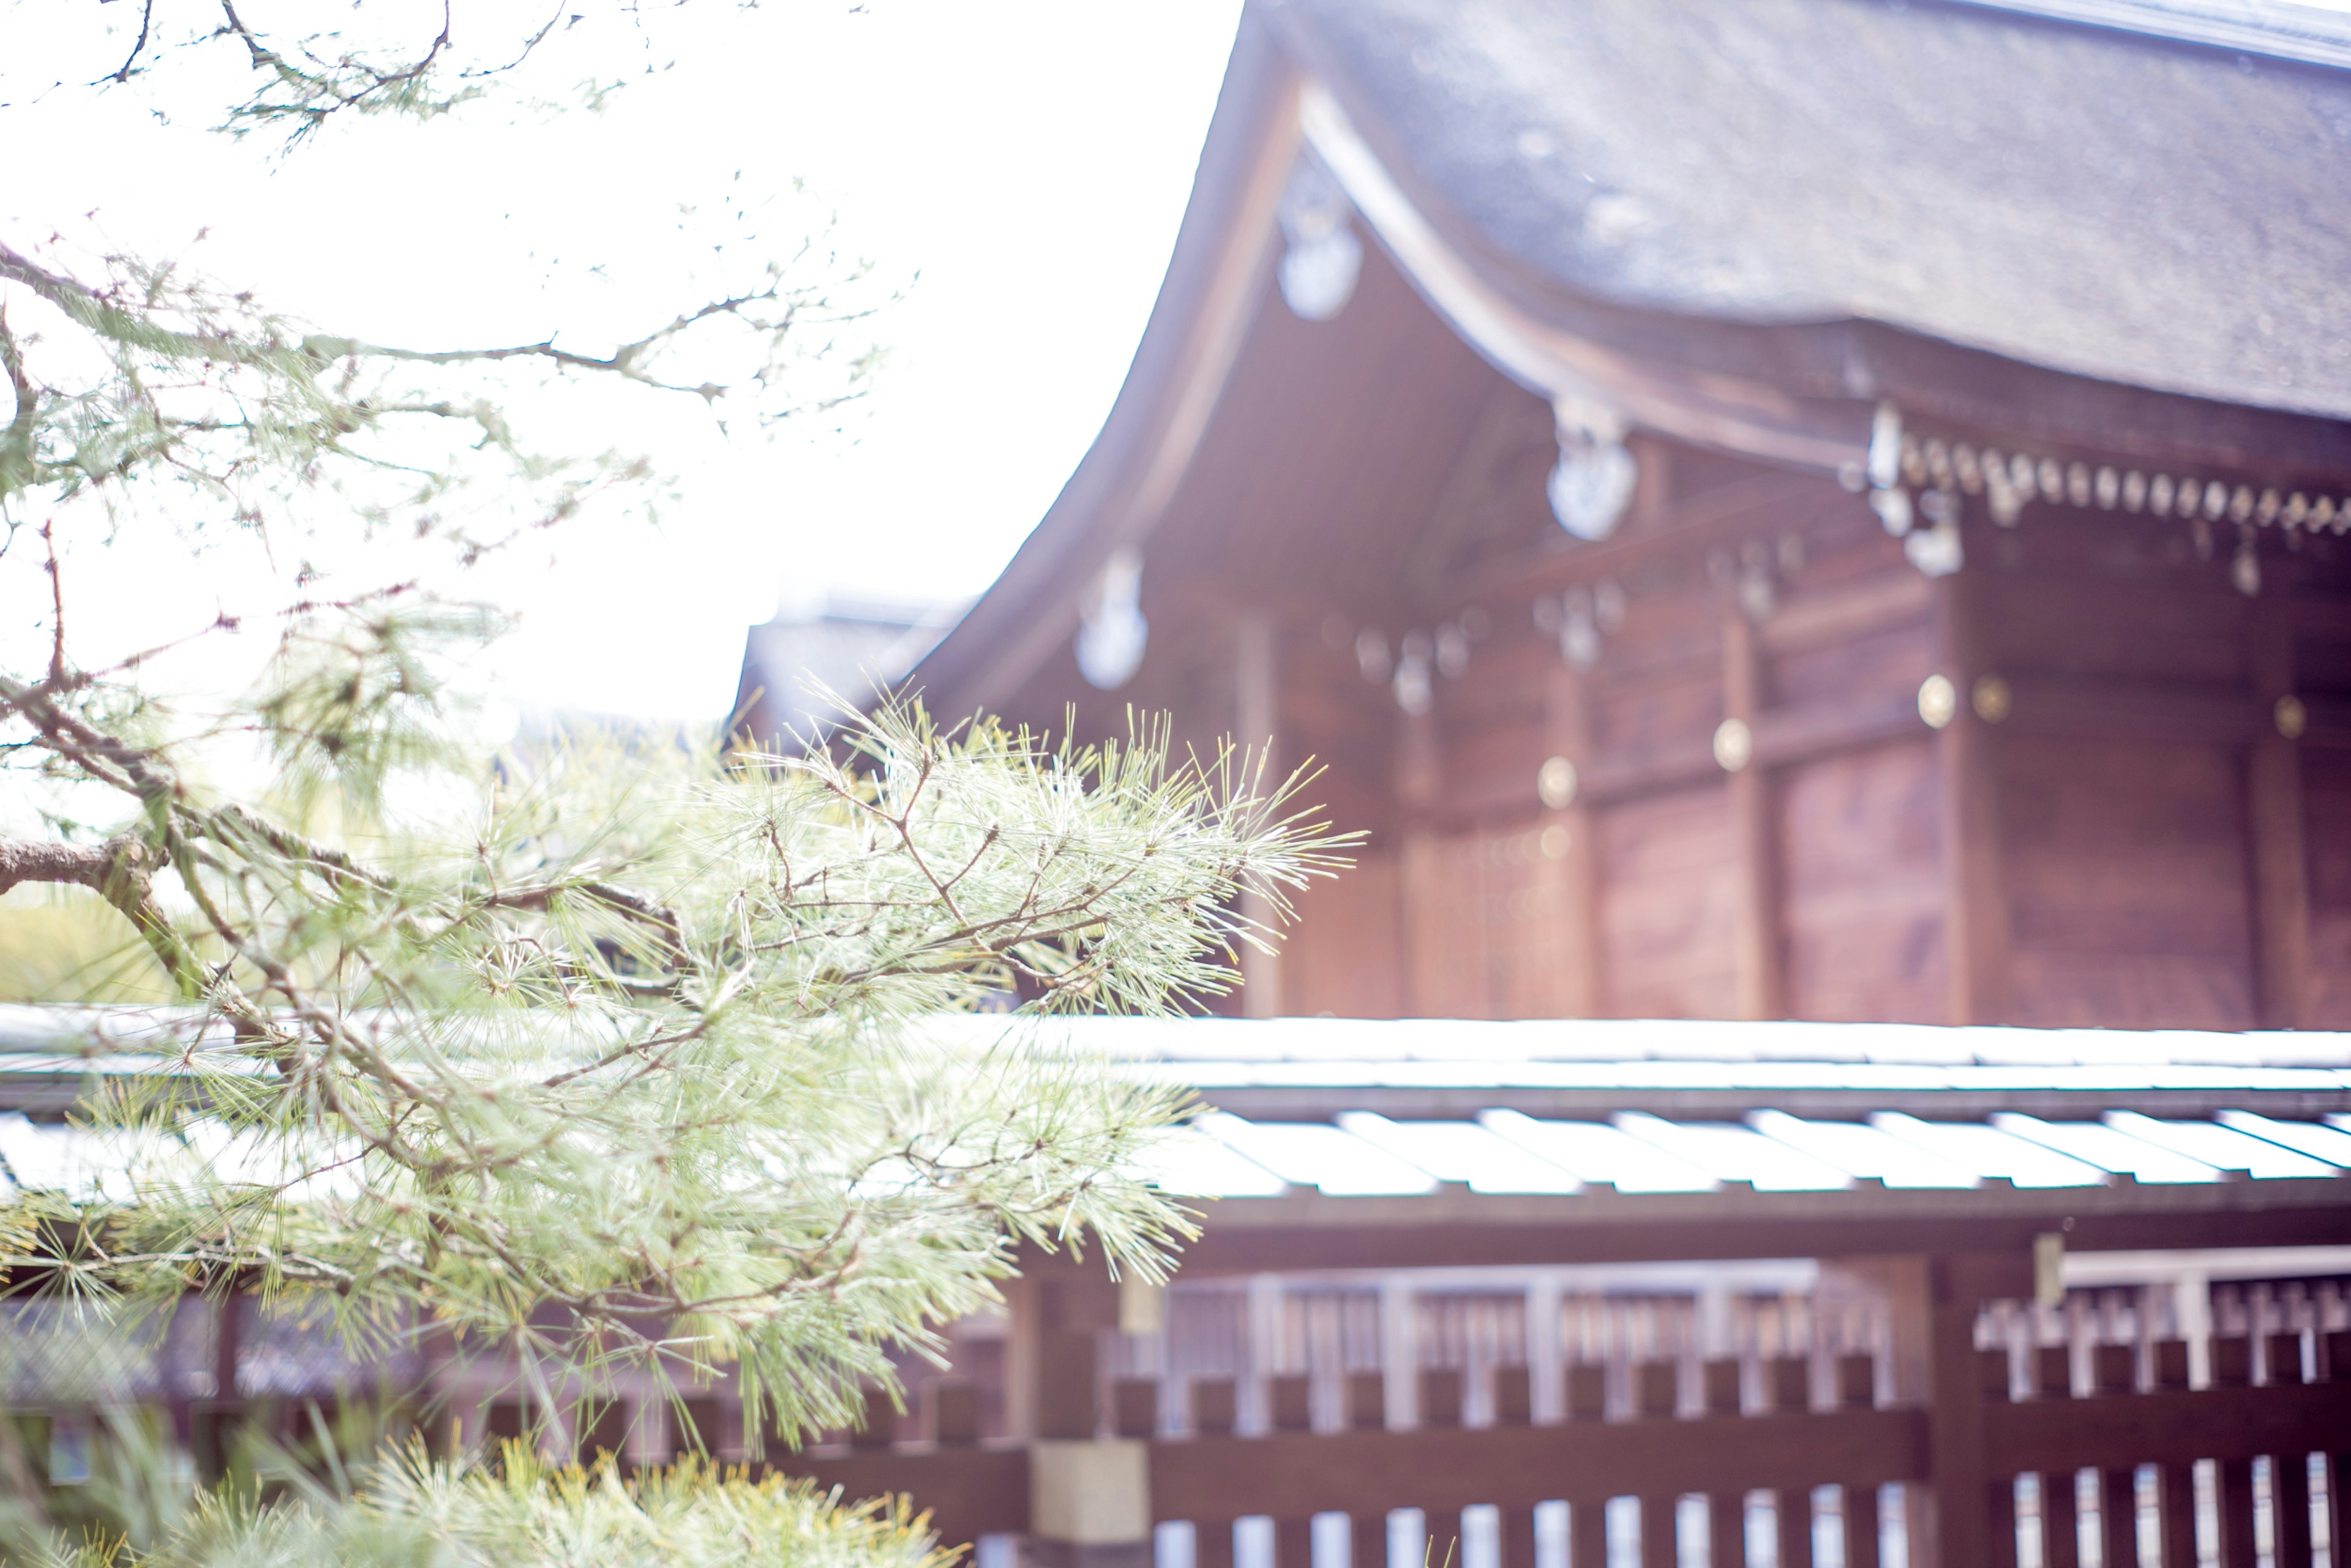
(1029, 161)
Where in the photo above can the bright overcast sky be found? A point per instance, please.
(1023, 164)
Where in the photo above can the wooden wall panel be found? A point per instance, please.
(1886, 663)
(1861, 872)
(2151, 630)
(2326, 839)
(1667, 902)
(1345, 954)
(2128, 884)
(1487, 936)
(1656, 715)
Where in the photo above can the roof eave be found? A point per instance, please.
(1127, 475)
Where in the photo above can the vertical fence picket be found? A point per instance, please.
(1726, 1529)
(2289, 1541)
(1135, 1406)
(1290, 1401)
(1514, 1407)
(2232, 1367)
(2175, 1483)
(2335, 1366)
(2061, 1519)
(2113, 1373)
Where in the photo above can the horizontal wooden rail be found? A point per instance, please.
(1219, 1479)
(969, 1491)
(2120, 1430)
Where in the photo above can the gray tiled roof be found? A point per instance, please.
(2114, 204)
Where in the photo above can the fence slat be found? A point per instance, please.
(1657, 1542)
(1513, 1397)
(2000, 1532)
(1292, 1398)
(1293, 1541)
(1656, 1389)
(2118, 1515)
(1726, 1529)
(1587, 1531)
(1518, 1537)
(2237, 1546)
(2289, 1509)
(2335, 1366)
(1788, 1382)
(954, 1413)
(1791, 1510)
(2053, 1371)
(1718, 1386)
(1135, 1406)
(2175, 1494)
(1214, 1402)
(1368, 1401)
(1862, 1528)
(2061, 1519)
(1587, 1393)
(1440, 1396)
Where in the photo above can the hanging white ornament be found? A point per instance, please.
(1593, 482)
(1112, 637)
(1324, 259)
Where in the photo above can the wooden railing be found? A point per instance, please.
(1750, 1434)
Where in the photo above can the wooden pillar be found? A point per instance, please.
(1758, 961)
(1975, 897)
(1256, 691)
(1419, 782)
(1574, 874)
(2274, 818)
(1088, 1497)
(1050, 1368)
(1953, 1519)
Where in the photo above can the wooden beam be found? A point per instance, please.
(1975, 896)
(1816, 619)
(1448, 1231)
(1256, 704)
(2273, 810)
(1419, 782)
(1448, 1469)
(1574, 876)
(969, 1491)
(2178, 1428)
(1759, 960)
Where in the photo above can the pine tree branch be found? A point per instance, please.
(122, 872)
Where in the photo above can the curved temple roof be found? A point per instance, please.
(2092, 198)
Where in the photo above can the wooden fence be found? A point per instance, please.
(2276, 1403)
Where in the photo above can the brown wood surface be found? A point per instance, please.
(1344, 955)
(2061, 1522)
(969, 1492)
(2227, 1423)
(1669, 906)
(2326, 839)
(1758, 951)
(2128, 884)
(1727, 1529)
(2119, 1516)
(2176, 1502)
(1251, 1235)
(1575, 876)
(1447, 1469)
(1861, 877)
(1999, 1526)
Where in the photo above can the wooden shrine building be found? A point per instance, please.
(1815, 508)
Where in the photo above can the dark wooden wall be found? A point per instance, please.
(2123, 838)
